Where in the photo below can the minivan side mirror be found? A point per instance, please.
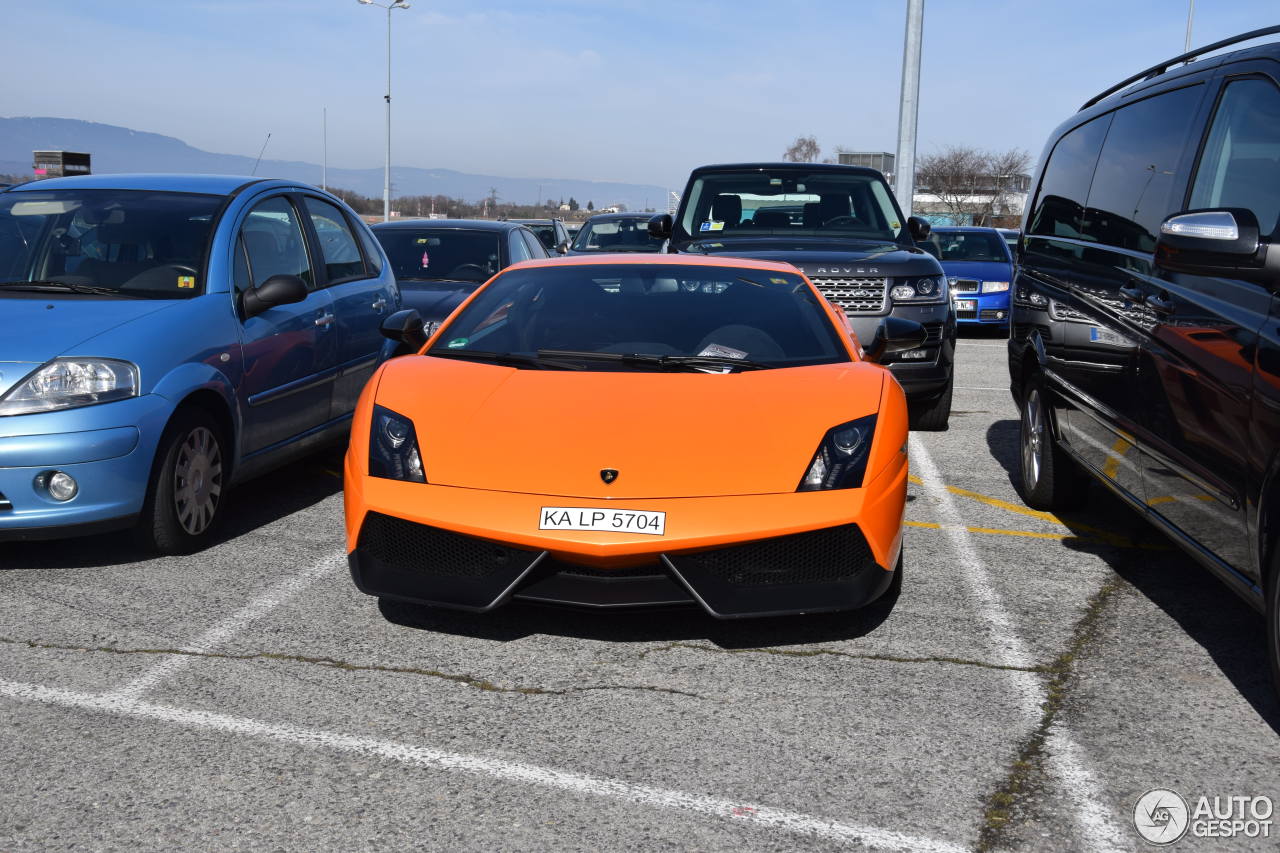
(406, 326)
(660, 226)
(920, 228)
(1220, 242)
(895, 334)
(277, 290)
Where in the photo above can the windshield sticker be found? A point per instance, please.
(459, 343)
(779, 281)
(895, 225)
(722, 351)
(187, 282)
(426, 260)
(712, 225)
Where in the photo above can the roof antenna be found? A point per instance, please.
(259, 160)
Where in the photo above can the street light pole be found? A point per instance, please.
(386, 171)
(909, 106)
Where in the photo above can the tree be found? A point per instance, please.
(971, 182)
(804, 150)
(591, 205)
(573, 203)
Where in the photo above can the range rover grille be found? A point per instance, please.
(855, 295)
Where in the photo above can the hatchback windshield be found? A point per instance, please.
(969, 246)
(441, 254)
(617, 235)
(590, 316)
(134, 243)
(789, 202)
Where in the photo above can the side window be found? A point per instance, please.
(519, 251)
(1059, 210)
(535, 246)
(372, 251)
(1240, 165)
(273, 241)
(1137, 170)
(240, 268)
(338, 248)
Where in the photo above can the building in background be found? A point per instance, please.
(880, 160)
(59, 164)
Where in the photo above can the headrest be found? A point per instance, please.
(772, 218)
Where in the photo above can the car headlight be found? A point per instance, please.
(923, 289)
(841, 460)
(68, 383)
(995, 286)
(1027, 296)
(393, 448)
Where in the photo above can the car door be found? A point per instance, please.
(290, 352)
(1198, 360)
(361, 300)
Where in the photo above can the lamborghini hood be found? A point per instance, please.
(667, 435)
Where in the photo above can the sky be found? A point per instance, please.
(627, 90)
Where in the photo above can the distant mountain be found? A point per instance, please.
(119, 149)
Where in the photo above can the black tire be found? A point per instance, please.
(188, 483)
(931, 416)
(1050, 480)
(1273, 621)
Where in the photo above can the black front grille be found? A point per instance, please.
(819, 556)
(648, 570)
(964, 285)
(410, 547)
(966, 315)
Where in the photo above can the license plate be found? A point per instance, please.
(609, 520)
(966, 305)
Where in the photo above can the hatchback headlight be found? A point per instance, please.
(393, 448)
(995, 286)
(841, 460)
(920, 289)
(68, 383)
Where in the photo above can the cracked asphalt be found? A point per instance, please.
(323, 720)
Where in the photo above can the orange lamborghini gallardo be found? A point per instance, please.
(633, 430)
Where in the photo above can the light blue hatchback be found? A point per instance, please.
(163, 337)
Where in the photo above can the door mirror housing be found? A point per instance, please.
(1219, 242)
(277, 290)
(562, 248)
(407, 328)
(895, 334)
(660, 226)
(920, 228)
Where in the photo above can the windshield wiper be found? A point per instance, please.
(48, 284)
(662, 362)
(505, 358)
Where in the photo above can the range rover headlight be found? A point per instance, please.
(995, 286)
(393, 448)
(920, 289)
(841, 460)
(68, 383)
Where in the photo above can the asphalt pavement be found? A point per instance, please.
(1033, 677)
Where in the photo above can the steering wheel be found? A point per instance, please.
(461, 269)
(841, 220)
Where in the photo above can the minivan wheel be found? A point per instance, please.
(1050, 479)
(184, 499)
(931, 416)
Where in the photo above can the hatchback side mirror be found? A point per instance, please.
(660, 226)
(920, 228)
(895, 334)
(277, 290)
(406, 327)
(562, 248)
(1219, 242)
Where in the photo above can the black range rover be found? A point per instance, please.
(842, 227)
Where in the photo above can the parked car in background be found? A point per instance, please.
(1145, 350)
(842, 226)
(978, 267)
(167, 336)
(439, 262)
(1011, 237)
(552, 233)
(615, 232)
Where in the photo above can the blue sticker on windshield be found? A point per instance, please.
(712, 225)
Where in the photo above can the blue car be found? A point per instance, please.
(979, 268)
(167, 336)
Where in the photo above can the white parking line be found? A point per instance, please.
(979, 388)
(1065, 758)
(497, 768)
(228, 628)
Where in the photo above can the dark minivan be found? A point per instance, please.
(1145, 337)
(842, 227)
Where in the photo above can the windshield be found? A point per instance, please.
(134, 243)
(772, 319)
(441, 254)
(969, 246)
(785, 202)
(617, 235)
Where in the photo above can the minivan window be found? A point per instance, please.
(1240, 166)
(1137, 169)
(1059, 210)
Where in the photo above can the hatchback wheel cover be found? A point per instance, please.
(197, 480)
(1032, 439)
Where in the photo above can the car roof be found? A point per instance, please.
(966, 228)
(643, 259)
(546, 221)
(611, 216)
(206, 184)
(446, 224)
(833, 168)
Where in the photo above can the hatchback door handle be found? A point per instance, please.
(324, 320)
(1160, 304)
(379, 304)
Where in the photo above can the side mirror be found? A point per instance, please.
(920, 228)
(1221, 242)
(406, 326)
(277, 290)
(660, 226)
(895, 334)
(562, 248)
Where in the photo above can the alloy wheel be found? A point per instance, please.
(1033, 439)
